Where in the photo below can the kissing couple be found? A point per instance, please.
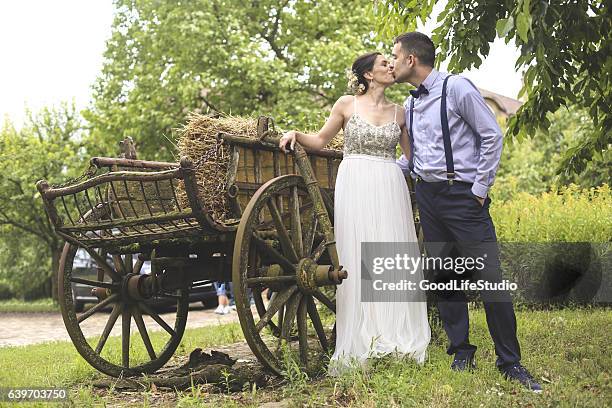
(452, 147)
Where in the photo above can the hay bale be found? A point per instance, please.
(197, 138)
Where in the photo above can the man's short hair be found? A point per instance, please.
(419, 45)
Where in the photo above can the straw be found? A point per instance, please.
(197, 138)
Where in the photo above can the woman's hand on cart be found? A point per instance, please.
(288, 138)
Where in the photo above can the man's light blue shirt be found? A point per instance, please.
(476, 138)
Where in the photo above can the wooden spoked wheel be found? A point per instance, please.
(281, 249)
(143, 340)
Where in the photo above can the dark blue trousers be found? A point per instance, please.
(454, 223)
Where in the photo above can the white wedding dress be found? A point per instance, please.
(372, 204)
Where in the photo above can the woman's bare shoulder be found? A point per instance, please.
(344, 104)
(345, 100)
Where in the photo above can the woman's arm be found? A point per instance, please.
(405, 143)
(319, 140)
(404, 139)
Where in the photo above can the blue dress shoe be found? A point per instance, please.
(463, 364)
(519, 373)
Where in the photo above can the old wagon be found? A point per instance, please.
(278, 239)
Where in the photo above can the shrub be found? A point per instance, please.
(568, 214)
(557, 245)
(5, 290)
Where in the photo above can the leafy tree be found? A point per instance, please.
(530, 165)
(48, 147)
(565, 55)
(25, 266)
(284, 58)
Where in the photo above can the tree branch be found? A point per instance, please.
(8, 221)
(34, 211)
(270, 37)
(318, 93)
(209, 104)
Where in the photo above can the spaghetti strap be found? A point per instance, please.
(395, 114)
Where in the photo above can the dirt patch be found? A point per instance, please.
(216, 368)
(246, 374)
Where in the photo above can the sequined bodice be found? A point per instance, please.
(361, 137)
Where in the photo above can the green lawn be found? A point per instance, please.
(569, 351)
(34, 306)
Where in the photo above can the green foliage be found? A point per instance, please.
(565, 215)
(565, 55)
(537, 231)
(5, 289)
(47, 147)
(295, 376)
(25, 265)
(286, 59)
(530, 165)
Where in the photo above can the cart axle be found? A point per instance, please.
(310, 275)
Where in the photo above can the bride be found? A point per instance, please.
(371, 204)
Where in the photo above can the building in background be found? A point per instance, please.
(501, 105)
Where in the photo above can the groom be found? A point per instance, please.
(456, 145)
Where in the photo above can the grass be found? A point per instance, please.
(57, 364)
(569, 351)
(33, 306)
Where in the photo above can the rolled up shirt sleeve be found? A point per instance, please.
(402, 162)
(474, 110)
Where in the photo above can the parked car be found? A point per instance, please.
(84, 267)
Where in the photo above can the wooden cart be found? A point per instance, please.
(278, 239)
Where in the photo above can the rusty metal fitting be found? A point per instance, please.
(337, 276)
(100, 293)
(311, 275)
(305, 271)
(139, 286)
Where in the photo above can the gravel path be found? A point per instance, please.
(18, 329)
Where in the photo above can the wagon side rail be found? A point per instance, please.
(116, 162)
(127, 206)
(253, 161)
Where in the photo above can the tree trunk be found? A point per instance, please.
(56, 252)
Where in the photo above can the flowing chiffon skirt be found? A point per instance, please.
(372, 204)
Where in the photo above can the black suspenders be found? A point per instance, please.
(411, 161)
(448, 151)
